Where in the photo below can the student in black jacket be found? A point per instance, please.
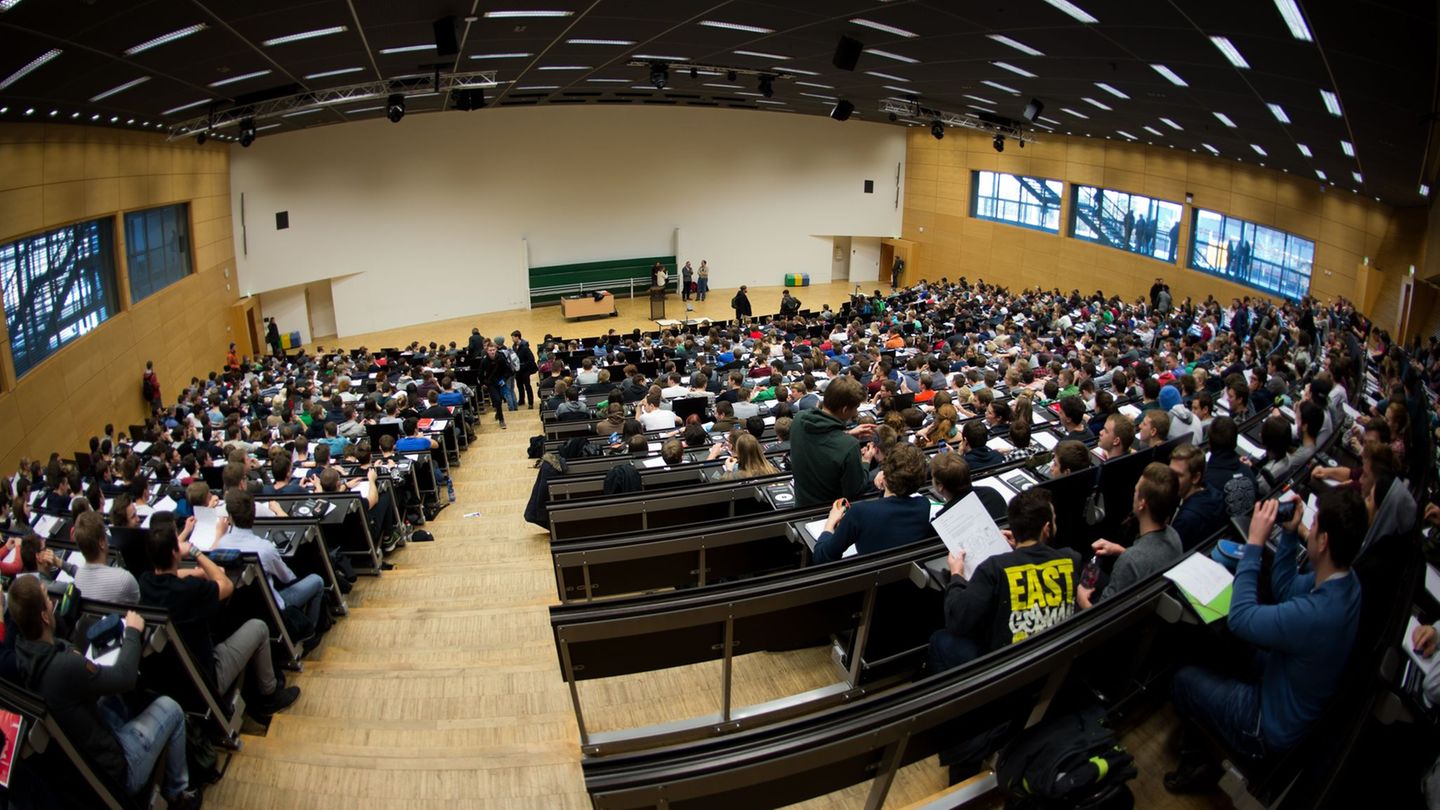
(950, 478)
(83, 698)
(977, 453)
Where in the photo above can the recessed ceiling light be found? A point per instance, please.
(760, 55)
(1231, 53)
(609, 81)
(1002, 88)
(1279, 113)
(1049, 120)
(1259, 150)
(348, 99)
(753, 29)
(802, 73)
(503, 15)
(1073, 10)
(1126, 134)
(748, 93)
(1293, 18)
(267, 126)
(30, 67)
(1358, 177)
(565, 67)
(817, 84)
(891, 76)
(1169, 74)
(54, 113)
(95, 117)
(364, 109)
(1167, 122)
(981, 109)
(1092, 102)
(1013, 69)
(1075, 113)
(897, 57)
(818, 95)
(1111, 90)
(907, 91)
(241, 78)
(165, 39)
(302, 112)
(328, 73)
(1212, 150)
(726, 86)
(1153, 131)
(120, 88)
(1224, 119)
(6, 5)
(539, 87)
(409, 48)
(1348, 148)
(650, 87)
(1424, 190)
(1016, 44)
(600, 41)
(500, 55)
(889, 29)
(1304, 150)
(1320, 173)
(319, 32)
(1332, 102)
(980, 99)
(768, 101)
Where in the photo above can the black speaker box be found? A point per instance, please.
(446, 41)
(842, 110)
(847, 53)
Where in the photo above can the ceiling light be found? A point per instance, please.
(753, 29)
(600, 41)
(1013, 69)
(348, 99)
(30, 67)
(1279, 113)
(1260, 150)
(1304, 150)
(1321, 174)
(937, 129)
(728, 86)
(184, 107)
(1092, 102)
(1358, 177)
(1332, 102)
(363, 109)
(892, 77)
(1293, 18)
(805, 73)
(889, 29)
(262, 129)
(980, 99)
(819, 95)
(328, 73)
(1230, 51)
(1111, 90)
(1016, 44)
(302, 112)
(6, 5)
(544, 87)
(1153, 131)
(761, 55)
(1348, 148)
(565, 67)
(1225, 119)
(429, 46)
(1212, 150)
(1424, 190)
(121, 88)
(165, 39)
(1074, 113)
(609, 81)
(1126, 134)
(1050, 120)
(95, 117)
(1170, 74)
(767, 101)
(499, 55)
(907, 91)
(503, 15)
(1000, 87)
(817, 84)
(1167, 122)
(1073, 10)
(241, 78)
(888, 55)
(318, 32)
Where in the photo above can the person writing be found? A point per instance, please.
(875, 525)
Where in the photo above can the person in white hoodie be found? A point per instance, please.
(1192, 422)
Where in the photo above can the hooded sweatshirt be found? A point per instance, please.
(824, 458)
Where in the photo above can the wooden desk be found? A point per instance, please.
(586, 306)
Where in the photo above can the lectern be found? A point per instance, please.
(657, 303)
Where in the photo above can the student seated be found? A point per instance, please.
(950, 478)
(85, 699)
(97, 578)
(875, 525)
(1201, 512)
(1157, 547)
(1305, 635)
(978, 454)
(1011, 596)
(237, 531)
(194, 596)
(1116, 436)
(748, 460)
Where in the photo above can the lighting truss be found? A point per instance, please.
(680, 68)
(321, 99)
(994, 125)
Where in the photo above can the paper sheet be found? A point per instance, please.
(165, 504)
(994, 483)
(1432, 581)
(46, 525)
(1131, 411)
(1431, 666)
(1049, 441)
(999, 445)
(769, 420)
(653, 462)
(967, 527)
(203, 537)
(1201, 577)
(108, 659)
(140, 447)
(1249, 448)
(816, 527)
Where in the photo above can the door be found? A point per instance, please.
(250, 316)
(887, 261)
(840, 262)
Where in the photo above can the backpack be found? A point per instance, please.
(622, 478)
(537, 447)
(1070, 761)
(513, 359)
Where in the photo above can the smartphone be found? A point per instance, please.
(1286, 512)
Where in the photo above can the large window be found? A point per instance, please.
(157, 245)
(1253, 255)
(56, 286)
(1030, 201)
(1126, 221)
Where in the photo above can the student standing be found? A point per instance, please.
(702, 280)
(741, 304)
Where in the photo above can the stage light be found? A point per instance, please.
(659, 75)
(999, 143)
(202, 138)
(938, 130)
(247, 132)
(395, 108)
(767, 86)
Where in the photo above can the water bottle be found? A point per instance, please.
(1091, 573)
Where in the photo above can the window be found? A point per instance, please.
(157, 245)
(1030, 201)
(1253, 255)
(1126, 221)
(56, 287)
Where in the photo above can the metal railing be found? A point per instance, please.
(561, 290)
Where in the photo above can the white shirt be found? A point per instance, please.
(275, 568)
(657, 420)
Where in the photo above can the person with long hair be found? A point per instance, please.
(749, 459)
(943, 429)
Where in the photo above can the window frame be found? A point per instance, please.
(181, 257)
(975, 199)
(1074, 220)
(1232, 225)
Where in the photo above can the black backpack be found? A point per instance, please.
(622, 478)
(1071, 761)
(537, 447)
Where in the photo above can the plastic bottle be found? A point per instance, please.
(1091, 573)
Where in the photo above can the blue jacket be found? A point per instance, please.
(1306, 635)
(1199, 516)
(876, 525)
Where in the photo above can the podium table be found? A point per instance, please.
(586, 306)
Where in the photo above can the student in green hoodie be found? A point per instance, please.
(824, 456)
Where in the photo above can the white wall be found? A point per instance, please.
(429, 218)
(322, 308)
(840, 259)
(287, 307)
(865, 259)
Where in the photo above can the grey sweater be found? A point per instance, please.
(1151, 553)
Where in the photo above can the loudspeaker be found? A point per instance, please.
(847, 53)
(468, 98)
(446, 42)
(842, 110)
(1033, 109)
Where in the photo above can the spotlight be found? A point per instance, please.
(999, 143)
(730, 75)
(467, 99)
(395, 108)
(202, 138)
(694, 73)
(937, 129)
(659, 75)
(767, 85)
(1022, 143)
(247, 132)
(894, 118)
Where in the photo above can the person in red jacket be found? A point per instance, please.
(150, 387)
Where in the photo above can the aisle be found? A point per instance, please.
(441, 687)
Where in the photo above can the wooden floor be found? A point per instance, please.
(442, 688)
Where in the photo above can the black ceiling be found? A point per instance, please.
(1379, 57)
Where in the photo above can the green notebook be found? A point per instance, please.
(1218, 608)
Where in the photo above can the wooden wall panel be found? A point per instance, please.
(53, 175)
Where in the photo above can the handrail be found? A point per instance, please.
(580, 287)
